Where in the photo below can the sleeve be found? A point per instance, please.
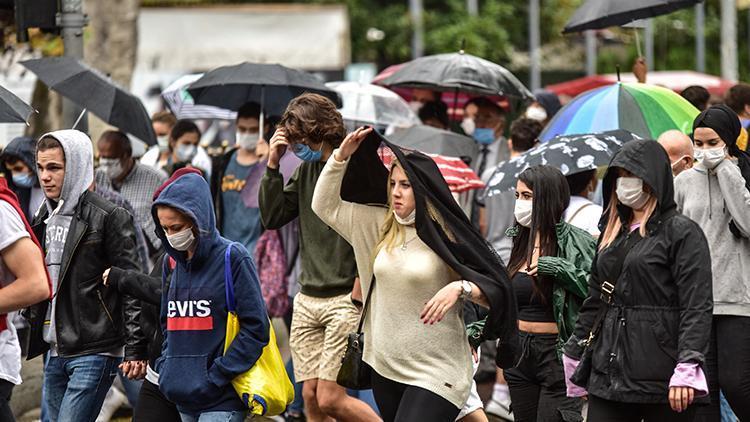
(123, 253)
(278, 204)
(12, 228)
(586, 316)
(569, 368)
(344, 217)
(691, 271)
(163, 315)
(566, 274)
(254, 334)
(690, 375)
(735, 193)
(133, 283)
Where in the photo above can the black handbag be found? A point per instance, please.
(355, 373)
(607, 290)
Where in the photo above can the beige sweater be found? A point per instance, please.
(398, 345)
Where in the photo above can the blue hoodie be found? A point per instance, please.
(194, 373)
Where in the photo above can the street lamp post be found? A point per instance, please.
(534, 40)
(417, 37)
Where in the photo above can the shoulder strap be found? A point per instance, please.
(586, 205)
(365, 306)
(229, 280)
(608, 286)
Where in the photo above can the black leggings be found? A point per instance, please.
(6, 389)
(153, 406)
(406, 403)
(727, 367)
(601, 410)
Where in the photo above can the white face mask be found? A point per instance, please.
(710, 158)
(248, 140)
(630, 192)
(163, 142)
(111, 166)
(415, 106)
(186, 152)
(181, 241)
(468, 125)
(536, 113)
(523, 212)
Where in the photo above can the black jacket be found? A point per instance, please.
(662, 306)
(91, 318)
(147, 288)
(218, 167)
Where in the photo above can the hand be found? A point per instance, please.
(278, 147)
(105, 276)
(640, 69)
(680, 398)
(532, 269)
(351, 143)
(134, 369)
(441, 303)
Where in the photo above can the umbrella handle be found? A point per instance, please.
(78, 120)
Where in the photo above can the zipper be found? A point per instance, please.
(101, 300)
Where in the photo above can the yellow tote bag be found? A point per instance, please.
(265, 388)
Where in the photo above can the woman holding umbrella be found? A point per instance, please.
(714, 193)
(414, 257)
(642, 333)
(549, 266)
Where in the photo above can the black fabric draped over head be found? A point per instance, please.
(463, 248)
(725, 122)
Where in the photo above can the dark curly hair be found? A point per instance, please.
(314, 118)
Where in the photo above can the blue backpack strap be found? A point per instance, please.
(229, 280)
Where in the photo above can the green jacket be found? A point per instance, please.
(570, 269)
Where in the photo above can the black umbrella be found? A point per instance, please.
(598, 14)
(431, 140)
(95, 92)
(458, 72)
(271, 85)
(571, 154)
(13, 109)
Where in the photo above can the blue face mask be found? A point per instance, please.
(304, 153)
(23, 180)
(484, 136)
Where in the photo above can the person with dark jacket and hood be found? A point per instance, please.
(415, 256)
(18, 164)
(645, 324)
(715, 194)
(151, 404)
(549, 267)
(84, 326)
(194, 371)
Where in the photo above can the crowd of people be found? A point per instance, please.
(618, 294)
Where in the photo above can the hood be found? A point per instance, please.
(23, 148)
(647, 160)
(191, 195)
(79, 168)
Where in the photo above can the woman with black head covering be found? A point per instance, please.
(645, 324)
(413, 241)
(714, 193)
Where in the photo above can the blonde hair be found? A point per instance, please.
(614, 225)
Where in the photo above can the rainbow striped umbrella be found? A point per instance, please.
(646, 110)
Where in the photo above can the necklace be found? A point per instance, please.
(403, 246)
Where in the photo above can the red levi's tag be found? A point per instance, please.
(190, 323)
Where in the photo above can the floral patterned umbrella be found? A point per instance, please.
(571, 154)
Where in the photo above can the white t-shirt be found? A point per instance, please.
(11, 230)
(583, 214)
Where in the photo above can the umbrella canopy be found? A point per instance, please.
(95, 92)
(13, 109)
(457, 72)
(271, 85)
(646, 110)
(676, 80)
(374, 105)
(432, 140)
(181, 103)
(459, 176)
(598, 14)
(570, 154)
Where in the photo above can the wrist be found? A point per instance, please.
(272, 164)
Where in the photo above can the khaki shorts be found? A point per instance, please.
(320, 328)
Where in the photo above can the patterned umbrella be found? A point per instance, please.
(459, 176)
(570, 154)
(374, 105)
(181, 103)
(645, 110)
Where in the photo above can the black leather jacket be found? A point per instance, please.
(90, 317)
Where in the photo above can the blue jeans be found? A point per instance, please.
(726, 411)
(74, 388)
(298, 405)
(231, 416)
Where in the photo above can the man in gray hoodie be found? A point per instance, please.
(85, 325)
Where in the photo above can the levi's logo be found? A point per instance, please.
(189, 315)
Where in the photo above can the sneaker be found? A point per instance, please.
(501, 410)
(295, 417)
